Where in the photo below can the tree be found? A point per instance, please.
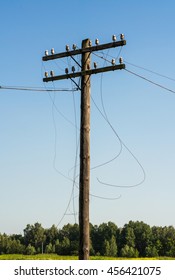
(63, 248)
(151, 251)
(143, 236)
(30, 250)
(3, 243)
(49, 249)
(51, 234)
(113, 247)
(95, 237)
(34, 235)
(70, 234)
(99, 234)
(168, 241)
(106, 248)
(129, 252)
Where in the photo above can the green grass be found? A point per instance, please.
(36, 257)
(57, 257)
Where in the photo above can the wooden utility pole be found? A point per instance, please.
(84, 185)
(85, 73)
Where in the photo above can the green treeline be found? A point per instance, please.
(135, 239)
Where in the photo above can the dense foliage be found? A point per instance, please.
(135, 239)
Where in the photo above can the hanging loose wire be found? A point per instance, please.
(143, 171)
(104, 115)
(76, 156)
(54, 107)
(73, 180)
(101, 85)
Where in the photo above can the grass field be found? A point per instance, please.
(57, 257)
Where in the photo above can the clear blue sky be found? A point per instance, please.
(37, 143)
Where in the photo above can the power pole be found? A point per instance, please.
(84, 184)
(85, 73)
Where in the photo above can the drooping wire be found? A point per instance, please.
(55, 130)
(76, 156)
(105, 115)
(54, 123)
(66, 209)
(74, 176)
(56, 108)
(54, 162)
(61, 114)
(143, 171)
(106, 198)
(74, 180)
(97, 196)
(71, 198)
(122, 144)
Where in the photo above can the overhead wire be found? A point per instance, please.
(150, 81)
(107, 55)
(143, 171)
(66, 209)
(148, 70)
(76, 156)
(25, 88)
(106, 119)
(54, 107)
(107, 184)
(54, 123)
(120, 150)
(73, 180)
(100, 165)
(104, 115)
(142, 77)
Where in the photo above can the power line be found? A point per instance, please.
(142, 77)
(104, 115)
(148, 70)
(122, 144)
(34, 89)
(150, 81)
(105, 198)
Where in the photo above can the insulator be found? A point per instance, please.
(74, 47)
(122, 36)
(121, 60)
(67, 48)
(52, 51)
(46, 74)
(90, 43)
(51, 73)
(113, 61)
(114, 38)
(95, 65)
(96, 41)
(46, 53)
(73, 69)
(66, 70)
